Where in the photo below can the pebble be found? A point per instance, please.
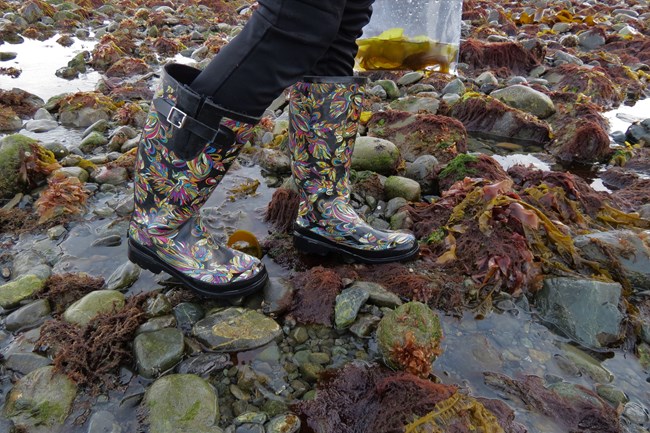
(156, 324)
(376, 154)
(378, 294)
(20, 289)
(187, 314)
(277, 296)
(103, 422)
(286, 423)
(40, 125)
(56, 232)
(450, 99)
(124, 276)
(454, 87)
(487, 77)
(390, 87)
(28, 316)
(398, 186)
(157, 351)
(347, 306)
(205, 364)
(410, 78)
(94, 303)
(25, 362)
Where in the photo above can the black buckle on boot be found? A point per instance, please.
(176, 117)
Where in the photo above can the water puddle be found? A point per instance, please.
(621, 118)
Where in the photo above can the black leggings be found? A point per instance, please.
(283, 41)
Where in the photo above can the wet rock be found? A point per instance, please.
(25, 363)
(398, 186)
(639, 132)
(378, 92)
(31, 12)
(415, 104)
(287, 423)
(5, 56)
(156, 324)
(205, 364)
(364, 325)
(92, 141)
(451, 99)
(636, 413)
(236, 329)
(158, 351)
(394, 205)
(181, 403)
(586, 310)
(410, 78)
(124, 276)
(187, 314)
(9, 120)
(409, 338)
(274, 161)
(103, 422)
(455, 87)
(630, 251)
(41, 401)
(613, 395)
(110, 175)
(422, 171)
(56, 232)
(82, 109)
(19, 289)
(41, 125)
(100, 126)
(487, 77)
(378, 294)
(526, 99)
(347, 306)
(250, 418)
(586, 364)
(92, 305)
(390, 87)
(278, 295)
(77, 172)
(29, 316)
(592, 39)
(376, 154)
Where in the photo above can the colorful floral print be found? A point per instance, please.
(323, 123)
(168, 193)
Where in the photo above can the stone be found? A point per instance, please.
(100, 126)
(181, 403)
(56, 232)
(347, 306)
(409, 338)
(591, 39)
(517, 79)
(394, 205)
(9, 120)
(5, 56)
(41, 401)
(636, 413)
(250, 418)
(376, 91)
(390, 87)
(25, 362)
(586, 310)
(561, 57)
(639, 132)
(93, 304)
(158, 351)
(613, 395)
(487, 77)
(235, 330)
(40, 125)
(410, 78)
(278, 295)
(378, 294)
(126, 206)
(586, 363)
(561, 27)
(286, 423)
(77, 172)
(92, 141)
(398, 186)
(416, 104)
(111, 176)
(58, 149)
(124, 276)
(205, 364)
(187, 314)
(31, 12)
(28, 316)
(423, 170)
(103, 422)
(455, 87)
(274, 161)
(23, 287)
(364, 325)
(526, 99)
(156, 324)
(631, 252)
(376, 154)
(450, 99)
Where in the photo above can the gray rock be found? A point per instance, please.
(613, 395)
(5, 56)
(454, 87)
(364, 325)
(450, 99)
(636, 413)
(347, 306)
(628, 31)
(126, 206)
(83, 117)
(10, 122)
(124, 276)
(236, 329)
(40, 125)
(561, 57)
(187, 314)
(31, 12)
(77, 172)
(631, 252)
(103, 422)
(526, 99)
(394, 205)
(561, 27)
(401, 220)
(158, 305)
(487, 77)
(205, 364)
(586, 364)
(410, 78)
(422, 170)
(569, 41)
(586, 310)
(25, 362)
(111, 176)
(377, 91)
(378, 294)
(591, 39)
(181, 403)
(422, 89)
(56, 232)
(398, 186)
(158, 351)
(390, 87)
(278, 295)
(639, 132)
(41, 401)
(94, 303)
(100, 126)
(250, 418)
(287, 423)
(274, 161)
(29, 316)
(156, 324)
(416, 104)
(517, 79)
(376, 154)
(21, 288)
(58, 149)
(92, 141)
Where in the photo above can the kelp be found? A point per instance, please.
(282, 210)
(316, 295)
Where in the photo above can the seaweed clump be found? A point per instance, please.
(504, 57)
(90, 355)
(282, 210)
(63, 197)
(315, 299)
(62, 290)
(465, 165)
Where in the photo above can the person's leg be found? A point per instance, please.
(281, 43)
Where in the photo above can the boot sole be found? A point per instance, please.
(146, 259)
(310, 245)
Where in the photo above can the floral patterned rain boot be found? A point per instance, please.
(323, 122)
(187, 146)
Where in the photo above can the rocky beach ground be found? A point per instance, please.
(528, 309)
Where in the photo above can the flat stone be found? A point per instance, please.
(41, 401)
(526, 99)
(124, 276)
(376, 154)
(236, 329)
(586, 310)
(205, 364)
(25, 362)
(156, 324)
(158, 351)
(347, 306)
(410, 78)
(278, 295)
(187, 314)
(586, 363)
(40, 125)
(22, 288)
(93, 304)
(378, 294)
(364, 325)
(29, 316)
(100, 126)
(180, 403)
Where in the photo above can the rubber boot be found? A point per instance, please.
(323, 122)
(187, 146)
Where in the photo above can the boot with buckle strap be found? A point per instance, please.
(323, 122)
(187, 146)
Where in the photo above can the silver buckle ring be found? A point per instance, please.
(176, 117)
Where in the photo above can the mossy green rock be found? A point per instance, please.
(158, 351)
(398, 186)
(41, 401)
(376, 154)
(11, 147)
(93, 140)
(348, 303)
(236, 329)
(92, 305)
(181, 403)
(409, 337)
(21, 288)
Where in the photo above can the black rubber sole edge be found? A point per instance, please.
(315, 246)
(149, 261)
